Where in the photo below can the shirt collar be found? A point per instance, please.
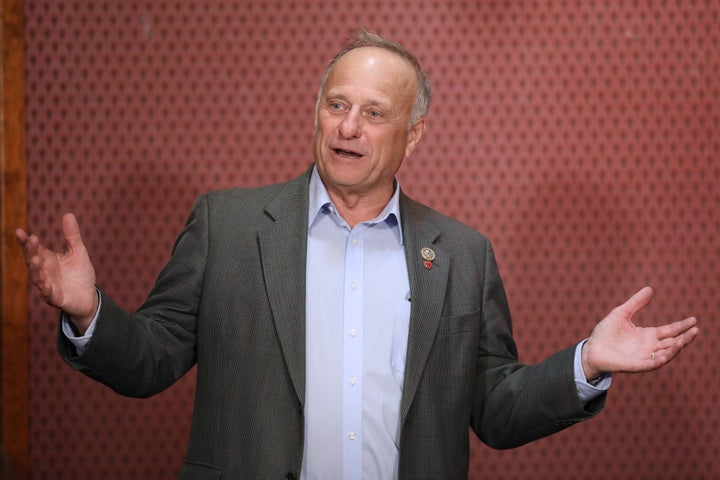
(320, 202)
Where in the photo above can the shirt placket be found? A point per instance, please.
(353, 353)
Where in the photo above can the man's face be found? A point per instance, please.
(361, 125)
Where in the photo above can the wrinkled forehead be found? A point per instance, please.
(376, 68)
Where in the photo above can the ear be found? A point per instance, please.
(414, 136)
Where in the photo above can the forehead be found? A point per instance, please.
(376, 69)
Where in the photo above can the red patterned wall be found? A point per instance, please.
(583, 137)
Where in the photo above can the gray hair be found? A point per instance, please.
(366, 38)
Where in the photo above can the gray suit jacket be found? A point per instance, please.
(232, 300)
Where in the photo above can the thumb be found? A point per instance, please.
(637, 302)
(71, 231)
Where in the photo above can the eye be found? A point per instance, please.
(336, 106)
(374, 114)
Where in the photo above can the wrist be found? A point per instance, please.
(591, 374)
(82, 322)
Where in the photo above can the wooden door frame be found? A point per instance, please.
(14, 339)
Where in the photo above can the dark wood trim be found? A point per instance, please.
(14, 341)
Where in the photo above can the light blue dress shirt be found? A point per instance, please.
(357, 323)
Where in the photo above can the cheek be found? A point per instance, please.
(326, 121)
(399, 145)
(321, 136)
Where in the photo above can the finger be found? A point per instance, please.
(23, 240)
(46, 289)
(71, 231)
(673, 349)
(637, 302)
(35, 270)
(21, 236)
(680, 341)
(31, 249)
(688, 337)
(672, 330)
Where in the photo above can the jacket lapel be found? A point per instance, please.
(282, 241)
(427, 290)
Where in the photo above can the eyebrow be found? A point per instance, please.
(340, 96)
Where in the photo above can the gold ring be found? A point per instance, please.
(652, 356)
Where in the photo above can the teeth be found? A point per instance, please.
(346, 153)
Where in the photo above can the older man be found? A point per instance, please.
(341, 330)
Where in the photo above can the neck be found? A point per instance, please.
(355, 208)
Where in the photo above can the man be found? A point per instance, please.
(340, 329)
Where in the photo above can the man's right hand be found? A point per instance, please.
(65, 280)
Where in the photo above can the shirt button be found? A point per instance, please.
(354, 286)
(355, 241)
(353, 380)
(352, 436)
(353, 332)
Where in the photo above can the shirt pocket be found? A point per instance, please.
(401, 330)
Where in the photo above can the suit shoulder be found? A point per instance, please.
(242, 195)
(449, 226)
(253, 198)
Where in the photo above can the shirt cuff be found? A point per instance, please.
(586, 390)
(80, 342)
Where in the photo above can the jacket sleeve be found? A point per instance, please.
(143, 353)
(515, 403)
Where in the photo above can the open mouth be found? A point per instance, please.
(346, 153)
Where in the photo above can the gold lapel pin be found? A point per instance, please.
(429, 255)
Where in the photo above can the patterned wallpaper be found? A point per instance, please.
(582, 137)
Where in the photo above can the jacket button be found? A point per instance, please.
(290, 476)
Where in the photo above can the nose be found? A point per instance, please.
(350, 127)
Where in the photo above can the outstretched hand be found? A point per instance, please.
(618, 345)
(65, 280)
